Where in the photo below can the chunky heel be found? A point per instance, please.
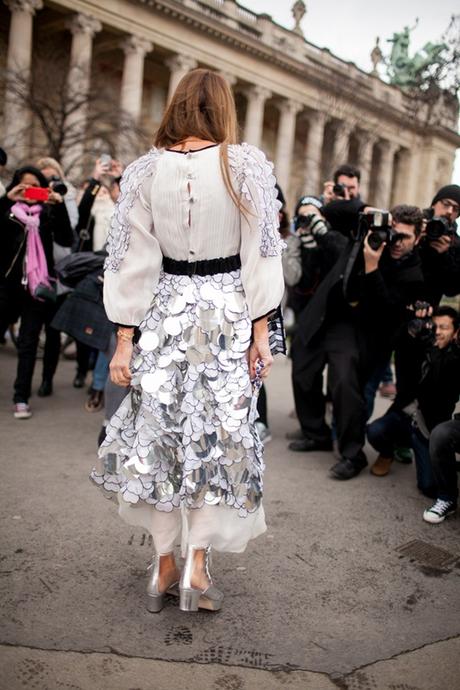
(192, 599)
(155, 602)
(155, 599)
(189, 599)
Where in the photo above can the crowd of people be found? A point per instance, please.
(364, 292)
(51, 277)
(365, 286)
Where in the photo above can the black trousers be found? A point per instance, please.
(444, 443)
(336, 346)
(35, 315)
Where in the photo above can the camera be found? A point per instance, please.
(437, 227)
(303, 222)
(339, 190)
(377, 224)
(57, 185)
(421, 327)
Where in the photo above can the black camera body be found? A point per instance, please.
(303, 222)
(438, 227)
(57, 185)
(377, 225)
(339, 190)
(422, 327)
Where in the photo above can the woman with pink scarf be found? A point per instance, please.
(28, 229)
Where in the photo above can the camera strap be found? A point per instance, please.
(349, 266)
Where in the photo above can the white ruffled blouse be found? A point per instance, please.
(176, 205)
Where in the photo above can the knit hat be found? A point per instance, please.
(450, 191)
(308, 201)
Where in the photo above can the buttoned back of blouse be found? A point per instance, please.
(176, 205)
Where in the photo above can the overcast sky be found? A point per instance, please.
(349, 28)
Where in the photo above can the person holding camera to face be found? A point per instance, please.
(349, 324)
(440, 248)
(32, 216)
(317, 248)
(426, 396)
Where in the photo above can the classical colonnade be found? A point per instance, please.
(381, 167)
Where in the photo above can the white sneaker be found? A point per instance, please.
(264, 432)
(22, 411)
(439, 511)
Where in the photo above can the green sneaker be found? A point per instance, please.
(403, 455)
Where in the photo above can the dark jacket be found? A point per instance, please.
(85, 227)
(375, 303)
(83, 316)
(441, 271)
(439, 386)
(54, 227)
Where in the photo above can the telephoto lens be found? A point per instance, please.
(58, 186)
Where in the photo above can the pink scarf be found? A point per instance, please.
(36, 266)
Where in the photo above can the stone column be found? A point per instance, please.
(341, 144)
(366, 149)
(385, 174)
(15, 115)
(253, 127)
(83, 28)
(313, 153)
(135, 50)
(285, 142)
(179, 65)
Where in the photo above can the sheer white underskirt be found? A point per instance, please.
(217, 526)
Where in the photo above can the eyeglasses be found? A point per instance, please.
(450, 204)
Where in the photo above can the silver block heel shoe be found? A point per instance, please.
(156, 599)
(192, 599)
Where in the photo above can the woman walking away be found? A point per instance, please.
(195, 264)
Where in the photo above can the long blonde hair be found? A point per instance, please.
(202, 106)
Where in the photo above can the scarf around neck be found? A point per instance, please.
(36, 267)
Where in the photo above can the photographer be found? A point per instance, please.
(32, 217)
(440, 248)
(425, 401)
(349, 324)
(316, 258)
(346, 182)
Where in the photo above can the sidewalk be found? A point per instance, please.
(346, 590)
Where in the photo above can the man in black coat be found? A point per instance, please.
(440, 248)
(350, 324)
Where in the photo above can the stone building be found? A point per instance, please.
(305, 107)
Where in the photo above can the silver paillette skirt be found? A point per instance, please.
(185, 435)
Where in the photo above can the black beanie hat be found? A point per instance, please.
(450, 191)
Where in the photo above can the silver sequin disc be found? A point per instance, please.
(151, 382)
(149, 341)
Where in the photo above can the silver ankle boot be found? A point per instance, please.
(156, 599)
(192, 599)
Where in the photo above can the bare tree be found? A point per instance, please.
(66, 119)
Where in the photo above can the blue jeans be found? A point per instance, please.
(101, 372)
(382, 372)
(389, 432)
(425, 476)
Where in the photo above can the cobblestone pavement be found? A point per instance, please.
(348, 589)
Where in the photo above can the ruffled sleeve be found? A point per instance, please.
(261, 244)
(134, 258)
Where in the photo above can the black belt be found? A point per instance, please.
(206, 267)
